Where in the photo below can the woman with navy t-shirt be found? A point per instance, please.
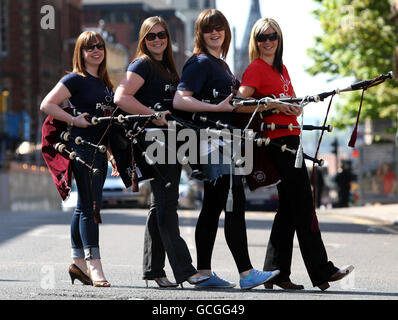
(144, 85)
(204, 71)
(89, 91)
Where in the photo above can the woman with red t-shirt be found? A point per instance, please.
(267, 75)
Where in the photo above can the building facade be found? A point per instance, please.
(241, 57)
(123, 20)
(35, 51)
(188, 11)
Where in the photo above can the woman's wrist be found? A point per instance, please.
(71, 123)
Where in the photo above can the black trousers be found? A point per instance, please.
(162, 233)
(214, 201)
(295, 214)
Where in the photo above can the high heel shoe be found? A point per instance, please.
(162, 283)
(76, 273)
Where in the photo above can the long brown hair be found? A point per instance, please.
(143, 52)
(259, 27)
(89, 38)
(211, 17)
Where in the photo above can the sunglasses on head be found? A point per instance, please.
(91, 47)
(210, 28)
(152, 36)
(264, 37)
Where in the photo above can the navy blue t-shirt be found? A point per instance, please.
(157, 87)
(201, 74)
(89, 94)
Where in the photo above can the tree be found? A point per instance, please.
(359, 41)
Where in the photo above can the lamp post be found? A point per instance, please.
(4, 176)
(3, 126)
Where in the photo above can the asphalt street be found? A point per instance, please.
(35, 255)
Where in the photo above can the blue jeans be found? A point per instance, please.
(84, 231)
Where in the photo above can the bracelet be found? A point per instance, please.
(71, 122)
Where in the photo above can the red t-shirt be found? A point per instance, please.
(268, 81)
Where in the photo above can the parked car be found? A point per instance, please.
(190, 192)
(114, 194)
(263, 199)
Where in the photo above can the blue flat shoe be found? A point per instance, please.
(216, 282)
(256, 278)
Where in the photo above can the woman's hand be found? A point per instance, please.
(288, 110)
(161, 122)
(224, 106)
(111, 159)
(115, 172)
(80, 121)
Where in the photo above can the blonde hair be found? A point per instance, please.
(143, 52)
(259, 27)
(88, 38)
(211, 17)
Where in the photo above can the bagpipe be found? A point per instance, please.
(258, 177)
(253, 180)
(58, 155)
(56, 135)
(303, 101)
(128, 146)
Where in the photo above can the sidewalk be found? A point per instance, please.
(387, 213)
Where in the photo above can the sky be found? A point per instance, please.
(299, 28)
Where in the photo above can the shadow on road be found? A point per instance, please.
(15, 223)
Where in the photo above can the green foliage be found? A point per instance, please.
(359, 41)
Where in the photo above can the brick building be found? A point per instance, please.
(33, 58)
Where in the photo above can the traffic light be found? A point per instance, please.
(335, 146)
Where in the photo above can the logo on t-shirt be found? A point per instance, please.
(286, 85)
(107, 104)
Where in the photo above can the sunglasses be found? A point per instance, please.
(152, 36)
(91, 47)
(264, 37)
(210, 28)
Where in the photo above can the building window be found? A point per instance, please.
(3, 27)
